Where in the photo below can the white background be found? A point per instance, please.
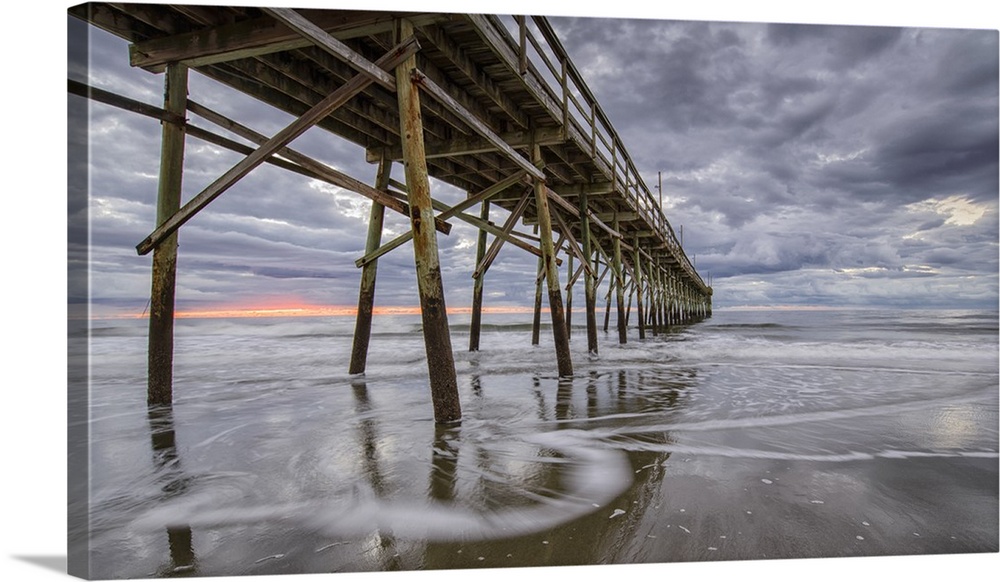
(33, 360)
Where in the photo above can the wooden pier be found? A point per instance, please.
(488, 104)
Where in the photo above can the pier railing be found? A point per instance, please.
(542, 55)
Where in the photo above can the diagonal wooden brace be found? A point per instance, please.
(324, 40)
(454, 211)
(336, 99)
(314, 167)
(478, 126)
(508, 226)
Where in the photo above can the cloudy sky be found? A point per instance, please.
(808, 164)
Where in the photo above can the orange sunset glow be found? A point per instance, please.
(301, 310)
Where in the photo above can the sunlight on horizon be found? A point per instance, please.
(306, 311)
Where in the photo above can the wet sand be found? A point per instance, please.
(726, 509)
(636, 460)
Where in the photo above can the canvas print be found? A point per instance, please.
(360, 290)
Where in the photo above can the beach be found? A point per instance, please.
(752, 435)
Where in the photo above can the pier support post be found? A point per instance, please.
(569, 295)
(616, 244)
(637, 267)
(677, 315)
(159, 388)
(477, 286)
(607, 304)
(650, 280)
(437, 340)
(589, 287)
(536, 318)
(563, 359)
(366, 294)
(662, 301)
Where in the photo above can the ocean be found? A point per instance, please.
(754, 434)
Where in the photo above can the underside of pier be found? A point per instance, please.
(491, 105)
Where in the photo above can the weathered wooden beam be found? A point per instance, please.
(489, 32)
(362, 113)
(541, 273)
(589, 288)
(191, 130)
(513, 237)
(109, 98)
(111, 20)
(471, 145)
(508, 226)
(458, 57)
(316, 35)
(280, 140)
(578, 166)
(434, 314)
(233, 74)
(563, 358)
(366, 293)
(314, 167)
(637, 276)
(592, 189)
(607, 301)
(616, 244)
(453, 211)
(574, 246)
(255, 37)
(477, 286)
(623, 216)
(536, 314)
(159, 388)
(442, 97)
(570, 277)
(574, 274)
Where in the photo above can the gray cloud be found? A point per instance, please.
(807, 163)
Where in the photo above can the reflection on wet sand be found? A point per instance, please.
(508, 491)
(605, 532)
(168, 464)
(383, 555)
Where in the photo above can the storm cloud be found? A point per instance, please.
(807, 163)
(802, 158)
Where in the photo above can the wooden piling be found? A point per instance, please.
(639, 283)
(661, 299)
(366, 294)
(159, 389)
(619, 273)
(650, 288)
(477, 286)
(589, 287)
(536, 318)
(437, 340)
(569, 296)
(607, 304)
(563, 359)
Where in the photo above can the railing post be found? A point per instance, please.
(565, 98)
